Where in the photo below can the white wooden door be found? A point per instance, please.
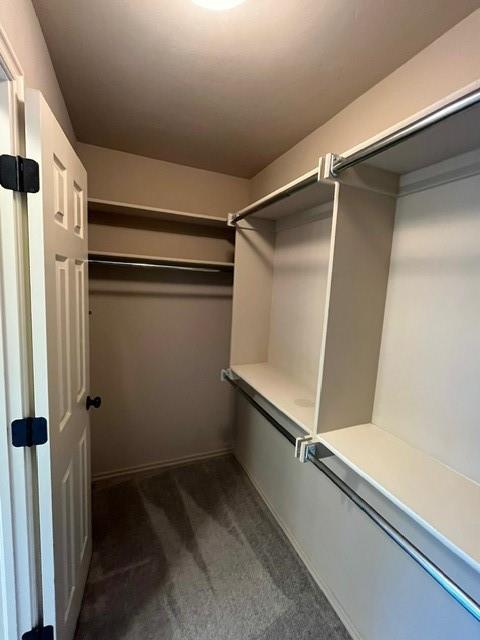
(59, 279)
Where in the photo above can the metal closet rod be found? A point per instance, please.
(258, 206)
(340, 163)
(450, 586)
(148, 265)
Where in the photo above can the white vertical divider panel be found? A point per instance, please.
(357, 284)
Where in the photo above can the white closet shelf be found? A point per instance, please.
(454, 136)
(130, 258)
(286, 394)
(121, 208)
(441, 500)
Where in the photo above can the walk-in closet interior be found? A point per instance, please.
(160, 308)
(263, 312)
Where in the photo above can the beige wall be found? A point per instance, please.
(124, 177)
(20, 24)
(158, 339)
(448, 64)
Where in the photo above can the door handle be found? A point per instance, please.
(93, 402)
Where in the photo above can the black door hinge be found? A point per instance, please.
(28, 432)
(39, 633)
(19, 174)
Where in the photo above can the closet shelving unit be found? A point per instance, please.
(96, 206)
(122, 234)
(443, 501)
(399, 360)
(414, 436)
(283, 244)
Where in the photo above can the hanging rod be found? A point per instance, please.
(340, 163)
(449, 585)
(289, 190)
(148, 265)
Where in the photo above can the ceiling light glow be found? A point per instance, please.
(218, 5)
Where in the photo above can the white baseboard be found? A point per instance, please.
(160, 464)
(340, 611)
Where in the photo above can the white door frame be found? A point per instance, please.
(18, 573)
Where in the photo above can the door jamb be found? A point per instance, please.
(22, 462)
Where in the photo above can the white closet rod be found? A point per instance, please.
(451, 587)
(147, 265)
(340, 163)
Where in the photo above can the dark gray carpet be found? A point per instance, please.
(193, 553)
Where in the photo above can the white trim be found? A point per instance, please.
(18, 394)
(15, 359)
(332, 599)
(8, 602)
(161, 464)
(8, 59)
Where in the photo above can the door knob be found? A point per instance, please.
(93, 402)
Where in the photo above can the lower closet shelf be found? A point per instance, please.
(441, 500)
(294, 400)
(131, 259)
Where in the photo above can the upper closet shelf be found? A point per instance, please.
(302, 194)
(441, 500)
(105, 206)
(131, 259)
(449, 130)
(286, 394)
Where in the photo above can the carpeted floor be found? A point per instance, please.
(193, 553)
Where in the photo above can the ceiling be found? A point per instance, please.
(228, 90)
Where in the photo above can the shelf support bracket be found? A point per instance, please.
(228, 374)
(310, 445)
(328, 171)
